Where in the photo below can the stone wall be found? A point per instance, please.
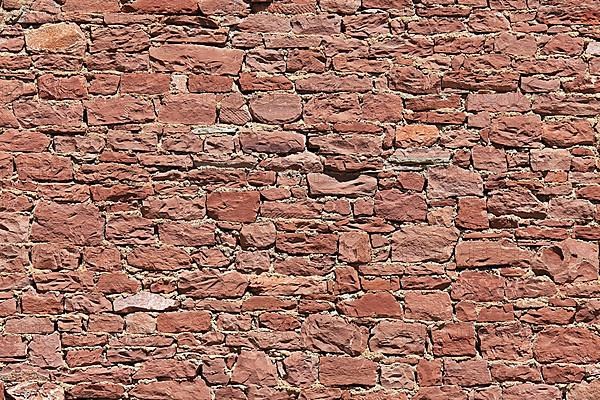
(299, 199)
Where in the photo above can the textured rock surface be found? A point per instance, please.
(299, 199)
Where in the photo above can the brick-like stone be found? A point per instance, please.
(341, 371)
(233, 206)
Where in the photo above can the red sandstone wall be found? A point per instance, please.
(299, 199)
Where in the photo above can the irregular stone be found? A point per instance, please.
(332, 334)
(565, 209)
(483, 253)
(416, 135)
(325, 185)
(454, 339)
(254, 367)
(272, 142)
(164, 258)
(398, 338)
(354, 247)
(14, 228)
(161, 7)
(119, 110)
(550, 160)
(466, 373)
(472, 213)
(340, 6)
(301, 369)
(531, 391)
(79, 224)
(380, 304)
(569, 261)
(478, 286)
(196, 59)
(32, 113)
(45, 351)
(423, 243)
(516, 201)
(584, 391)
(172, 390)
(143, 301)
(498, 102)
(453, 181)
(260, 235)
(398, 376)
(516, 131)
(104, 390)
(566, 345)
(276, 108)
(213, 284)
(302, 243)
(341, 371)
(183, 321)
(332, 108)
(189, 109)
(506, 342)
(44, 167)
(428, 307)
(166, 369)
(394, 205)
(568, 132)
(233, 206)
(56, 38)
(62, 88)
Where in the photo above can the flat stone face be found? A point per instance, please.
(56, 38)
(424, 243)
(300, 199)
(143, 301)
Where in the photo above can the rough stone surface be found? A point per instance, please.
(299, 199)
(143, 301)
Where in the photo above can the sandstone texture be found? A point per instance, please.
(299, 200)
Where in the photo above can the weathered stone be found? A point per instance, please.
(332, 334)
(381, 304)
(196, 58)
(483, 253)
(79, 224)
(394, 205)
(213, 284)
(272, 142)
(260, 235)
(354, 247)
(276, 108)
(254, 367)
(164, 258)
(516, 131)
(454, 339)
(453, 181)
(569, 261)
(56, 38)
(423, 243)
(398, 338)
(172, 390)
(183, 321)
(341, 371)
(301, 243)
(233, 206)
(584, 391)
(566, 345)
(416, 135)
(325, 185)
(143, 301)
(517, 201)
